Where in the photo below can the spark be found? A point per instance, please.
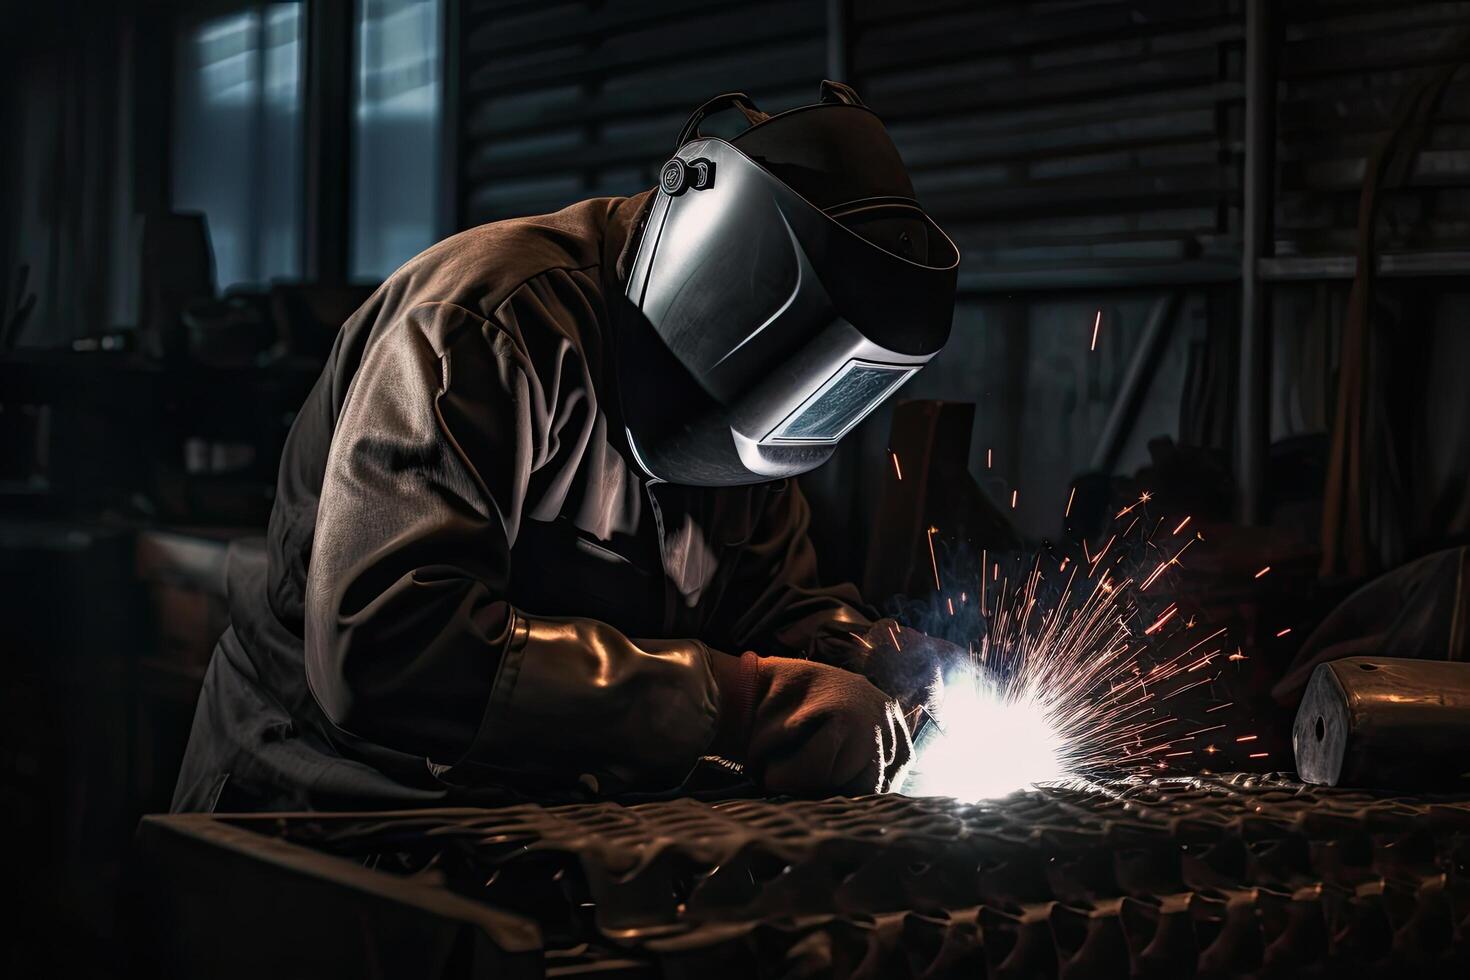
(1096, 323)
(1070, 497)
(1259, 755)
(861, 639)
(1263, 571)
(1066, 677)
(1168, 615)
(984, 557)
(1181, 525)
(1163, 565)
(1013, 499)
(951, 606)
(988, 456)
(1283, 632)
(892, 633)
(934, 562)
(978, 712)
(1247, 738)
(898, 470)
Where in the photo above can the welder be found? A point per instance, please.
(536, 531)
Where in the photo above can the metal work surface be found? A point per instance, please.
(1210, 876)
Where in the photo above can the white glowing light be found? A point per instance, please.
(987, 742)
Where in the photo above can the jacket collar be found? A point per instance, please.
(620, 242)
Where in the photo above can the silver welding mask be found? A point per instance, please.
(785, 284)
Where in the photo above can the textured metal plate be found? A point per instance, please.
(1209, 876)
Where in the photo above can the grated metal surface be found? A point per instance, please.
(1210, 876)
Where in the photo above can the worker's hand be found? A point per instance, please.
(812, 729)
(907, 664)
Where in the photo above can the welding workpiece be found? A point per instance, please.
(1374, 722)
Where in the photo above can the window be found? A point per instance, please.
(395, 134)
(237, 139)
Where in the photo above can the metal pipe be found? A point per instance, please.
(1253, 392)
(837, 40)
(1382, 722)
(329, 33)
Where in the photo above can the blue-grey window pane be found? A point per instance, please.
(395, 136)
(237, 138)
(859, 390)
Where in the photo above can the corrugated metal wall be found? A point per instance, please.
(564, 101)
(1347, 71)
(1062, 142)
(1066, 142)
(1085, 154)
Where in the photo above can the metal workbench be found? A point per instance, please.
(1211, 876)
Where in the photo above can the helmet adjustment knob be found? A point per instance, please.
(679, 175)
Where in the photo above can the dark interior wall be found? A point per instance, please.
(66, 192)
(1080, 155)
(1086, 156)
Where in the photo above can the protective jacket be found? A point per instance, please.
(468, 590)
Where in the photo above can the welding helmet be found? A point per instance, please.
(786, 282)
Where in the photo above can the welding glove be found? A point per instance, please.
(905, 663)
(805, 729)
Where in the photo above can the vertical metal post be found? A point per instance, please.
(1253, 391)
(449, 216)
(328, 139)
(838, 13)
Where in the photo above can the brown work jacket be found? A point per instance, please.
(468, 589)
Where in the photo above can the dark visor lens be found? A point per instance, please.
(843, 402)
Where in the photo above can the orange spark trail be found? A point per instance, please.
(1168, 615)
(1070, 497)
(932, 560)
(1263, 571)
(1070, 642)
(896, 468)
(1095, 325)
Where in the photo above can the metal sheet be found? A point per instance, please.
(1212, 876)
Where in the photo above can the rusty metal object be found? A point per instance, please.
(1385, 722)
(1208, 877)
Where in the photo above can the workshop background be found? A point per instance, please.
(1170, 216)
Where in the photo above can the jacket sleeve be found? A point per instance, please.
(410, 640)
(774, 604)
